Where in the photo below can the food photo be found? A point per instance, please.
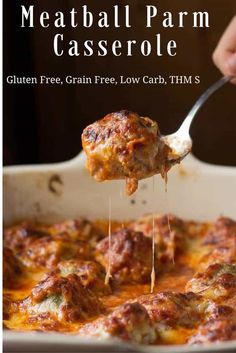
(119, 176)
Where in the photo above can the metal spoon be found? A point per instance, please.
(180, 142)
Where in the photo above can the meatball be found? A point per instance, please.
(48, 251)
(215, 330)
(223, 230)
(222, 238)
(217, 282)
(77, 229)
(129, 322)
(173, 313)
(124, 145)
(62, 298)
(12, 269)
(169, 232)
(173, 309)
(91, 274)
(22, 235)
(130, 256)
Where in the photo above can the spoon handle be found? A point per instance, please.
(204, 97)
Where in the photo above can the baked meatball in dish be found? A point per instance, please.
(20, 236)
(124, 145)
(221, 231)
(48, 251)
(169, 234)
(62, 298)
(173, 314)
(56, 279)
(217, 282)
(128, 264)
(221, 239)
(91, 274)
(77, 229)
(129, 322)
(221, 326)
(12, 269)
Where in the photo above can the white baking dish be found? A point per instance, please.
(55, 192)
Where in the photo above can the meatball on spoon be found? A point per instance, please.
(124, 145)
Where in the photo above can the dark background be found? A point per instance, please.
(44, 123)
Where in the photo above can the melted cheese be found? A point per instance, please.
(173, 278)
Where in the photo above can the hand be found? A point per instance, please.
(224, 55)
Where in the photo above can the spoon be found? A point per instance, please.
(180, 142)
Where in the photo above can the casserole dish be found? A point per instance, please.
(51, 193)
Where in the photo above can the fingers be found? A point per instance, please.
(224, 55)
